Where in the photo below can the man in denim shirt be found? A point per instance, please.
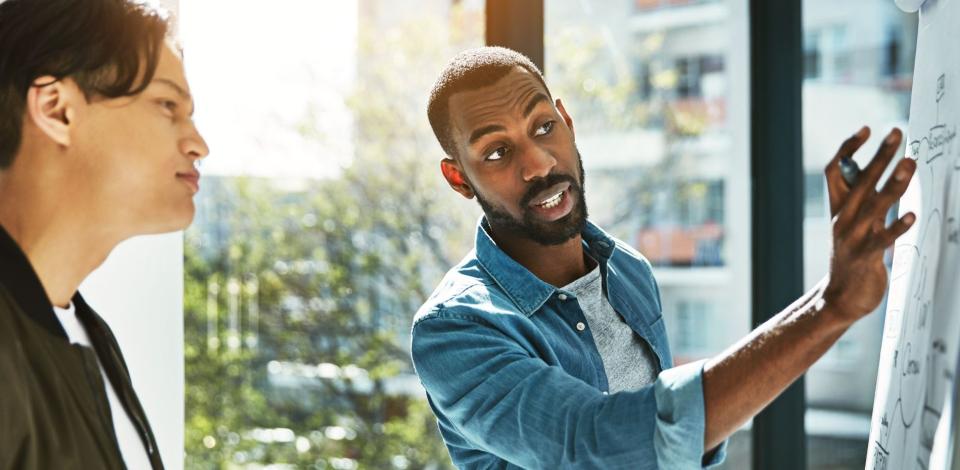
(545, 347)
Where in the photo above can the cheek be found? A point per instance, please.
(502, 189)
(127, 157)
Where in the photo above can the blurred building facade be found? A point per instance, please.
(669, 172)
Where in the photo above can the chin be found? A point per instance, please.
(172, 221)
(185, 217)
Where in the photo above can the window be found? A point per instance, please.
(826, 53)
(657, 92)
(811, 55)
(858, 69)
(695, 71)
(321, 227)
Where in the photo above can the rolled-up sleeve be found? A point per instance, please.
(489, 384)
(681, 419)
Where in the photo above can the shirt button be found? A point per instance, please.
(562, 296)
(581, 326)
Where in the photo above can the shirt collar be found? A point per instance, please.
(599, 243)
(23, 284)
(526, 290)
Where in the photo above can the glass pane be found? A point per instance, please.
(657, 90)
(322, 225)
(858, 62)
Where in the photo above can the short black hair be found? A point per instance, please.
(469, 70)
(109, 47)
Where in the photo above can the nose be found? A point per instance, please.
(193, 145)
(537, 163)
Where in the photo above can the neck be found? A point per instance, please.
(42, 215)
(557, 265)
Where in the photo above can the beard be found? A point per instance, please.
(528, 226)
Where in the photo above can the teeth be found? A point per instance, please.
(552, 202)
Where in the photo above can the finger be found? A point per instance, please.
(878, 205)
(836, 187)
(893, 190)
(895, 231)
(871, 175)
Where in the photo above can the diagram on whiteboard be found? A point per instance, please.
(921, 330)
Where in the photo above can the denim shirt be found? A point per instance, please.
(515, 380)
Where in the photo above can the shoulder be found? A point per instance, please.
(467, 292)
(466, 299)
(628, 255)
(10, 328)
(14, 367)
(634, 269)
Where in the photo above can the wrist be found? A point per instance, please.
(830, 309)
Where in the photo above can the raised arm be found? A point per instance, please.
(745, 378)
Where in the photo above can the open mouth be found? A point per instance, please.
(551, 196)
(554, 203)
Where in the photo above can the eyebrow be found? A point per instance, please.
(179, 89)
(477, 134)
(537, 99)
(540, 97)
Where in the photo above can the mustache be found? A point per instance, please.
(539, 185)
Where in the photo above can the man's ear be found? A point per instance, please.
(566, 117)
(50, 107)
(455, 178)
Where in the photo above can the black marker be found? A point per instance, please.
(849, 170)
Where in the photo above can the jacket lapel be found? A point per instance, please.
(111, 359)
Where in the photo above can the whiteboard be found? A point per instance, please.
(922, 328)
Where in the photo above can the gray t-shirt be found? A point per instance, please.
(627, 358)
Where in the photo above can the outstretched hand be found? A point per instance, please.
(858, 276)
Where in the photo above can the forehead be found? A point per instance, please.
(502, 100)
(170, 67)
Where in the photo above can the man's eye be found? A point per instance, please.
(497, 154)
(168, 105)
(545, 128)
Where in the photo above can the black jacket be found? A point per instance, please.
(54, 411)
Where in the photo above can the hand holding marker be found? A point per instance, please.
(849, 170)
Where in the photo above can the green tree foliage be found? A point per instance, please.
(299, 296)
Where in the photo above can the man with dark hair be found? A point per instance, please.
(97, 145)
(545, 347)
